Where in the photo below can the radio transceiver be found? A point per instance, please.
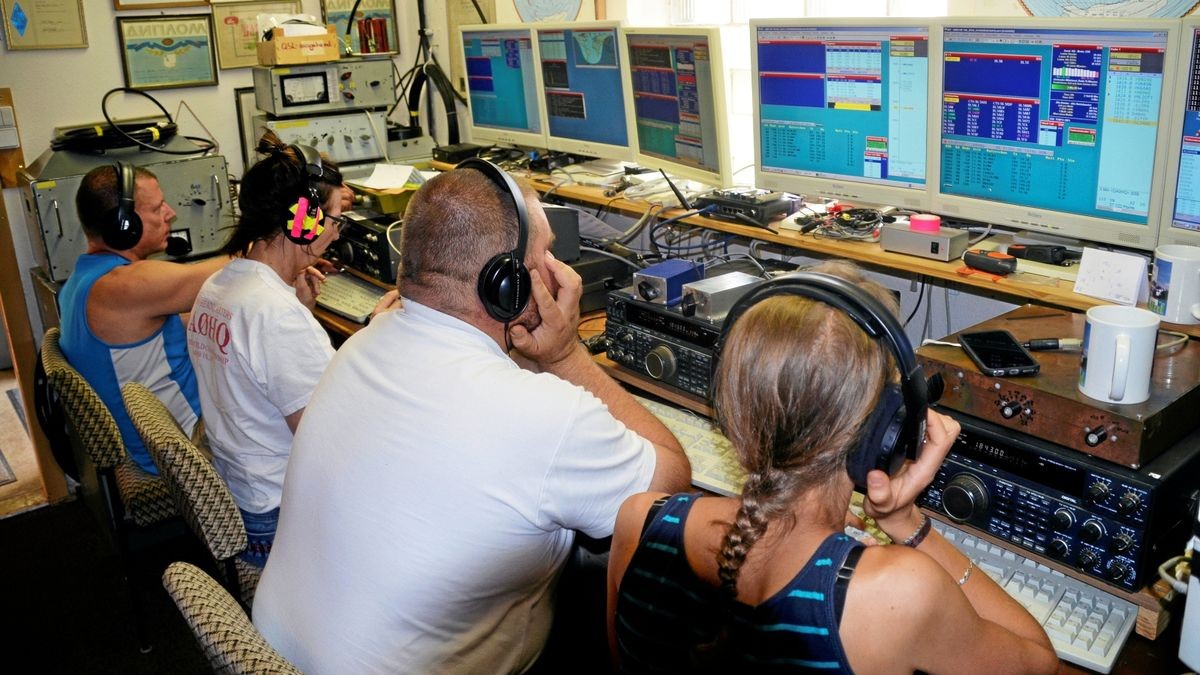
(363, 245)
(1107, 521)
(661, 342)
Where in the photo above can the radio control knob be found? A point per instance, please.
(1088, 558)
(1117, 570)
(1097, 492)
(1092, 531)
(660, 362)
(370, 236)
(964, 497)
(1095, 436)
(1059, 549)
(1063, 519)
(1128, 503)
(1009, 409)
(1121, 542)
(345, 253)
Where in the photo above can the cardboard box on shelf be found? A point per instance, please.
(282, 50)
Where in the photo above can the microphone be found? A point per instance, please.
(178, 246)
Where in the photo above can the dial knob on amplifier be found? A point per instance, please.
(660, 362)
(1088, 558)
(1093, 437)
(1092, 531)
(1059, 549)
(1009, 409)
(345, 252)
(1121, 542)
(1063, 519)
(1117, 570)
(1097, 492)
(964, 497)
(1128, 503)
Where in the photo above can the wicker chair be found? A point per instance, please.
(231, 643)
(136, 506)
(199, 492)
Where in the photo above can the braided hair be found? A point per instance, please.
(271, 188)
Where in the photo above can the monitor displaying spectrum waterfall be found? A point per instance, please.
(502, 85)
(842, 108)
(677, 88)
(1056, 126)
(583, 90)
(1180, 223)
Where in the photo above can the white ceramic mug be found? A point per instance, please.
(1175, 283)
(1118, 353)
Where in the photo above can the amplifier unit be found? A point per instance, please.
(661, 342)
(363, 245)
(1105, 521)
(748, 206)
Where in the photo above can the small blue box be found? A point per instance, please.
(662, 283)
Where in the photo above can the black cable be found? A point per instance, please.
(479, 11)
(350, 21)
(135, 141)
(920, 298)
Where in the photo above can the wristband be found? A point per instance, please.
(967, 574)
(914, 540)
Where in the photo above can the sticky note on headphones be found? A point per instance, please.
(305, 227)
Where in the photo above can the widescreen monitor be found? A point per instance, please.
(677, 87)
(583, 95)
(842, 108)
(502, 85)
(1180, 223)
(1056, 126)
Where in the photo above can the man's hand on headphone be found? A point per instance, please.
(556, 337)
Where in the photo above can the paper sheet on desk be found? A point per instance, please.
(389, 177)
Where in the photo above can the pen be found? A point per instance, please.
(1044, 344)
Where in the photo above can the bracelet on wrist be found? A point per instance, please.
(914, 540)
(967, 573)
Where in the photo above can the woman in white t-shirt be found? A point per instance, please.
(256, 348)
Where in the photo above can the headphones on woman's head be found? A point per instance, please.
(306, 221)
(123, 227)
(503, 284)
(896, 427)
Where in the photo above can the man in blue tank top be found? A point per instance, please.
(120, 312)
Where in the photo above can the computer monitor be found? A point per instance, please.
(1056, 126)
(583, 90)
(677, 87)
(842, 108)
(502, 85)
(1180, 222)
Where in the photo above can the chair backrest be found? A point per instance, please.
(231, 642)
(94, 427)
(200, 494)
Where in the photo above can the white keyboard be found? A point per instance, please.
(714, 465)
(1086, 625)
(347, 295)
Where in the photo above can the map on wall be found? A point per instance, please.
(531, 11)
(1166, 9)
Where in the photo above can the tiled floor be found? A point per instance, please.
(27, 492)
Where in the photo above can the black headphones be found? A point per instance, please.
(896, 428)
(504, 281)
(304, 224)
(124, 226)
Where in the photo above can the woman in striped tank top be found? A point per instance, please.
(768, 582)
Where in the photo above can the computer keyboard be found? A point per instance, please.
(714, 464)
(347, 295)
(1086, 625)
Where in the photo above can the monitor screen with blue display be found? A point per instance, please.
(1056, 126)
(842, 108)
(678, 90)
(1181, 205)
(503, 85)
(583, 95)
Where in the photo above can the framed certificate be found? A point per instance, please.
(45, 24)
(159, 52)
(235, 26)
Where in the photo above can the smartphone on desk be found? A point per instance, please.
(997, 353)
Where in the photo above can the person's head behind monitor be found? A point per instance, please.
(795, 385)
(453, 226)
(271, 191)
